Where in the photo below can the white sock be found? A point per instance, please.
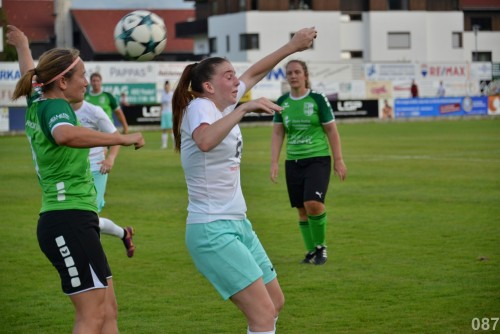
(108, 227)
(250, 332)
(164, 140)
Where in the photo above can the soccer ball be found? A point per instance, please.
(140, 35)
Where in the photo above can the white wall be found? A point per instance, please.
(486, 41)
(431, 35)
(352, 36)
(440, 27)
(381, 23)
(274, 29)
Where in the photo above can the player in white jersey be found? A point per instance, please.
(220, 238)
(101, 162)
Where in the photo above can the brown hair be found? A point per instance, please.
(304, 68)
(96, 74)
(189, 87)
(51, 64)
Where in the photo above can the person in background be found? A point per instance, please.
(102, 161)
(68, 225)
(414, 89)
(308, 122)
(219, 237)
(166, 115)
(105, 100)
(387, 110)
(441, 91)
(123, 100)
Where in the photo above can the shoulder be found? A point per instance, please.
(92, 108)
(319, 97)
(283, 97)
(202, 107)
(108, 95)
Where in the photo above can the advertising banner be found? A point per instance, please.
(355, 108)
(143, 115)
(434, 107)
(136, 93)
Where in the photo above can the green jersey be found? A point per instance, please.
(63, 172)
(302, 120)
(104, 100)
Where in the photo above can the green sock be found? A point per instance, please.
(318, 228)
(306, 235)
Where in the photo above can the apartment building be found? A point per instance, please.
(352, 31)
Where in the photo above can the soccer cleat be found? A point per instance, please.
(309, 257)
(128, 242)
(320, 255)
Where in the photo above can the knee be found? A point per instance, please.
(278, 302)
(314, 208)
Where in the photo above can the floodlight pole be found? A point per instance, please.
(476, 28)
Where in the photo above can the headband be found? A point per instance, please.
(73, 64)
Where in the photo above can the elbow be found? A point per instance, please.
(204, 147)
(62, 140)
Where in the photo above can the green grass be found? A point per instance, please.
(414, 237)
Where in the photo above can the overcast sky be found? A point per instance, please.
(135, 4)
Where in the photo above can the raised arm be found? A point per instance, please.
(300, 41)
(18, 39)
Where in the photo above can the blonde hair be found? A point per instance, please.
(51, 64)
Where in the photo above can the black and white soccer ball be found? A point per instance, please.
(140, 35)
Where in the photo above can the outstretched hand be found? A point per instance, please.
(304, 38)
(261, 105)
(16, 37)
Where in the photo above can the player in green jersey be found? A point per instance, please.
(308, 122)
(68, 225)
(105, 100)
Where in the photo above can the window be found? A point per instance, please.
(484, 23)
(345, 17)
(300, 4)
(351, 55)
(212, 44)
(456, 40)
(249, 42)
(398, 40)
(243, 5)
(481, 56)
(397, 4)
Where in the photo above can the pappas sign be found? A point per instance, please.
(355, 108)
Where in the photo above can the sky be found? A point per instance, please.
(143, 4)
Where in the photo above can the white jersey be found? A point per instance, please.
(213, 178)
(94, 117)
(166, 102)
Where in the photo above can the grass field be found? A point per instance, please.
(414, 238)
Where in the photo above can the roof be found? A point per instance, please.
(98, 26)
(21, 13)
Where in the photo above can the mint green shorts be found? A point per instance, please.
(100, 181)
(229, 254)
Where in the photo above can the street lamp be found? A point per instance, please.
(476, 28)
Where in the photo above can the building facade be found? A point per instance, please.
(355, 31)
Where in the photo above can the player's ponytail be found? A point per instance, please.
(180, 100)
